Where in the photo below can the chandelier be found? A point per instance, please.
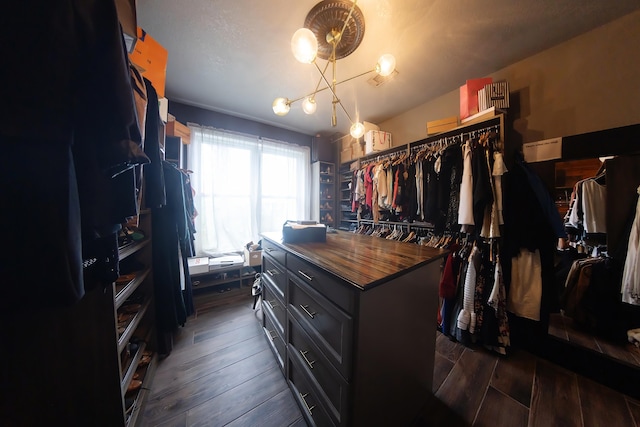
(333, 29)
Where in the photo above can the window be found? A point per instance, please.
(244, 185)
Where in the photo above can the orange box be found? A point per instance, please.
(151, 59)
(469, 96)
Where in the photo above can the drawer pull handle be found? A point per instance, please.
(269, 249)
(306, 276)
(271, 306)
(309, 313)
(310, 409)
(304, 356)
(272, 335)
(272, 272)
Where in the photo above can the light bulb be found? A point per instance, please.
(281, 106)
(386, 65)
(304, 45)
(309, 105)
(357, 130)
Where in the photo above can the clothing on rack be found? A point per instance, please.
(465, 211)
(587, 207)
(631, 274)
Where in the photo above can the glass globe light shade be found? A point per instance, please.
(357, 130)
(386, 65)
(281, 106)
(304, 45)
(309, 105)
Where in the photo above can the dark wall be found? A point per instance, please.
(187, 113)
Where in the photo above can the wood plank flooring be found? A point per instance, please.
(562, 327)
(222, 373)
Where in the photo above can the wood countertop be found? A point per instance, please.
(364, 261)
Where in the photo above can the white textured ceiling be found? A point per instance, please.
(233, 56)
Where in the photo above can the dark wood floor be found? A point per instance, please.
(222, 372)
(563, 328)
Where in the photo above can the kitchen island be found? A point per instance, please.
(352, 323)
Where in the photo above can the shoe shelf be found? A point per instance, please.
(323, 192)
(147, 374)
(132, 325)
(234, 275)
(135, 363)
(131, 249)
(122, 292)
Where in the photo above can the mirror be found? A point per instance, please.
(595, 318)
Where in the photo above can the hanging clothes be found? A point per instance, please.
(467, 316)
(631, 273)
(594, 202)
(525, 293)
(465, 210)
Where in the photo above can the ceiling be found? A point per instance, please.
(234, 56)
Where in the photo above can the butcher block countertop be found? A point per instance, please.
(364, 261)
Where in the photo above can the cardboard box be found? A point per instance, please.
(198, 265)
(357, 150)
(151, 59)
(469, 96)
(163, 106)
(376, 140)
(175, 128)
(128, 18)
(252, 258)
(442, 125)
(496, 94)
(346, 155)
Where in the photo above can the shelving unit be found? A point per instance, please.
(347, 220)
(134, 311)
(233, 275)
(323, 193)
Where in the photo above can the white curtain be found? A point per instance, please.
(244, 185)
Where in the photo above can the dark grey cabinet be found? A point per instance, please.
(359, 341)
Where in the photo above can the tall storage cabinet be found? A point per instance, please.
(323, 192)
(347, 220)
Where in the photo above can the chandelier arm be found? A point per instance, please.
(320, 80)
(334, 93)
(291, 101)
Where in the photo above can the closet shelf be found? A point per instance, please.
(144, 390)
(132, 248)
(123, 292)
(131, 368)
(131, 327)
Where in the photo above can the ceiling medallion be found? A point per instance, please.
(327, 19)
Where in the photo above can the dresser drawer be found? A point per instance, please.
(269, 248)
(276, 273)
(276, 342)
(340, 293)
(322, 374)
(307, 397)
(272, 304)
(328, 326)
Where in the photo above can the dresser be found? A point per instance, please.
(352, 324)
